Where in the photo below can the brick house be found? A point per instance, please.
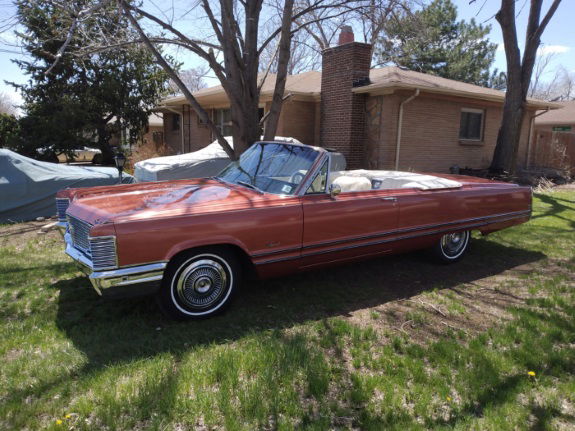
(384, 118)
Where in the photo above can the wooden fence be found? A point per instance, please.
(554, 150)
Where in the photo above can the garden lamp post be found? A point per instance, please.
(120, 161)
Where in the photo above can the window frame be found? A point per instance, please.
(221, 125)
(176, 122)
(481, 127)
(315, 177)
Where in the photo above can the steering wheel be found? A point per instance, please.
(297, 178)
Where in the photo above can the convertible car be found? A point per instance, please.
(281, 208)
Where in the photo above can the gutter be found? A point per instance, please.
(181, 114)
(399, 124)
(530, 135)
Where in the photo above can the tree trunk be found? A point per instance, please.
(519, 73)
(504, 156)
(104, 144)
(271, 123)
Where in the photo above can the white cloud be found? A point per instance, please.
(553, 49)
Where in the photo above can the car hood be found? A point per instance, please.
(170, 198)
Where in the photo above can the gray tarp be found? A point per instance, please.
(207, 162)
(28, 187)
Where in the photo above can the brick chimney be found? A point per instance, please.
(342, 119)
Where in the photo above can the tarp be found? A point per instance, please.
(28, 187)
(207, 162)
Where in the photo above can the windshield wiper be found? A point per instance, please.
(250, 186)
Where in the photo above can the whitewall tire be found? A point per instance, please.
(451, 247)
(199, 284)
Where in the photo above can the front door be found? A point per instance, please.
(349, 226)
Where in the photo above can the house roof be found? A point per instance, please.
(383, 80)
(393, 78)
(306, 85)
(563, 116)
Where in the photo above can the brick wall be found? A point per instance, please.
(342, 122)
(297, 120)
(172, 138)
(196, 136)
(430, 133)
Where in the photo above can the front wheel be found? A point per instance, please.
(199, 284)
(451, 247)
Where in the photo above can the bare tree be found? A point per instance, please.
(519, 74)
(320, 33)
(193, 78)
(231, 46)
(541, 68)
(559, 88)
(305, 56)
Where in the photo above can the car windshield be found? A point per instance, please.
(271, 167)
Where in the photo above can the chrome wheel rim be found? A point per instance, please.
(453, 244)
(202, 284)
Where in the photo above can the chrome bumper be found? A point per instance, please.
(143, 278)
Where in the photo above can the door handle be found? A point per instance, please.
(391, 199)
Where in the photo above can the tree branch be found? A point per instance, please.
(174, 76)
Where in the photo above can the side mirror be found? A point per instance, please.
(334, 190)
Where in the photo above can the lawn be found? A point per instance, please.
(394, 343)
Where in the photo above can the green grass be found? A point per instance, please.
(396, 343)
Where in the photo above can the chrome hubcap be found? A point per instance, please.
(202, 283)
(454, 243)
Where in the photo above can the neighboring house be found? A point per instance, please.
(385, 118)
(554, 139)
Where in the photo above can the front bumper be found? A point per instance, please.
(132, 280)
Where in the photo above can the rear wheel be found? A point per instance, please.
(199, 284)
(451, 247)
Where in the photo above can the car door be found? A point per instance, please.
(346, 227)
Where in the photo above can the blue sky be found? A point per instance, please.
(558, 38)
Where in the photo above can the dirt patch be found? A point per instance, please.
(464, 310)
(19, 234)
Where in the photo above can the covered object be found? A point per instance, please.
(28, 187)
(207, 162)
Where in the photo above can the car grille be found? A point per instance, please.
(62, 205)
(80, 231)
(103, 251)
(100, 249)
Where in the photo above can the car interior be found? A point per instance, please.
(361, 180)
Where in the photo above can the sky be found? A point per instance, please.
(559, 37)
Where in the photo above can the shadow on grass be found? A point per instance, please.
(556, 208)
(115, 331)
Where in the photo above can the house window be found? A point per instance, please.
(222, 118)
(175, 122)
(471, 125)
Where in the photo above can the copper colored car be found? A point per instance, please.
(281, 208)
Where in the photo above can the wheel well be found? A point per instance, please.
(248, 267)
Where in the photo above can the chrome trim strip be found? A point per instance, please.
(435, 232)
(416, 228)
(128, 276)
(77, 255)
(392, 232)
